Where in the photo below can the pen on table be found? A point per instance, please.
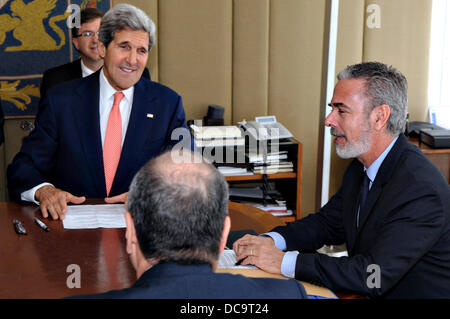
(41, 224)
(18, 226)
(239, 262)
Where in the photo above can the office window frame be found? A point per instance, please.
(439, 65)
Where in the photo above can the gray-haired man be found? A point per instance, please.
(392, 210)
(93, 134)
(177, 225)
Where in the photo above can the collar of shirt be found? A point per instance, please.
(373, 169)
(85, 71)
(106, 103)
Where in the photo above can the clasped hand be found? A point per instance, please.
(259, 251)
(53, 201)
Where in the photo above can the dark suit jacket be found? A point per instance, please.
(66, 72)
(65, 147)
(173, 281)
(404, 229)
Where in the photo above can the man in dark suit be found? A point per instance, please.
(93, 134)
(177, 225)
(85, 41)
(392, 210)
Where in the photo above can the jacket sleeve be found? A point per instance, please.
(312, 232)
(34, 162)
(413, 223)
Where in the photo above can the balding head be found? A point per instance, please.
(191, 174)
(179, 209)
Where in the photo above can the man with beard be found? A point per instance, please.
(392, 210)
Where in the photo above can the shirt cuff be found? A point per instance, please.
(278, 240)
(28, 195)
(288, 264)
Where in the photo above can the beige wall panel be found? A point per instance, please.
(349, 48)
(2, 174)
(403, 41)
(295, 79)
(250, 58)
(151, 8)
(14, 136)
(195, 52)
(349, 51)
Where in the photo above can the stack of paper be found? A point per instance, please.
(233, 171)
(274, 209)
(227, 259)
(246, 192)
(270, 157)
(213, 136)
(95, 216)
(273, 168)
(272, 163)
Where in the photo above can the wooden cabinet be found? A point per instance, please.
(438, 156)
(288, 184)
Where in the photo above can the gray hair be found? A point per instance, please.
(178, 210)
(125, 16)
(384, 85)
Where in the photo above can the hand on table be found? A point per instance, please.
(122, 198)
(53, 201)
(259, 251)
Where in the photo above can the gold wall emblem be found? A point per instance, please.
(27, 25)
(10, 93)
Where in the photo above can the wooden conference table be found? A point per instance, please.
(39, 264)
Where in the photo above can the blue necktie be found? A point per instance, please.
(363, 195)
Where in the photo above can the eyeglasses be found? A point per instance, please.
(87, 34)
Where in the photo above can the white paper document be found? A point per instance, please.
(95, 216)
(227, 259)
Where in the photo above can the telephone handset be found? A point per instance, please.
(266, 128)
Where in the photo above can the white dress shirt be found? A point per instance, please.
(106, 100)
(289, 261)
(106, 103)
(85, 71)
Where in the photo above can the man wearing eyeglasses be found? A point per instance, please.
(85, 41)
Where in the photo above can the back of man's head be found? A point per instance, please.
(179, 209)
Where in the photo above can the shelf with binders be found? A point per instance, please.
(284, 184)
(272, 167)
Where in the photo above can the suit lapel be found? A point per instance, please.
(384, 174)
(139, 128)
(86, 114)
(372, 197)
(351, 207)
(75, 69)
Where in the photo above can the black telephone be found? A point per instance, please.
(413, 128)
